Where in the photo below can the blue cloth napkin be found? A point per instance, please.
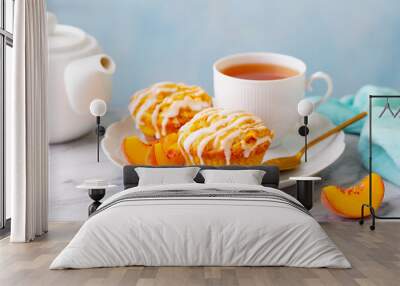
(385, 130)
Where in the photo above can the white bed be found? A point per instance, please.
(205, 230)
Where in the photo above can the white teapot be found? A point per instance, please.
(78, 73)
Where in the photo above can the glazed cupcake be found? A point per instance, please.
(165, 107)
(219, 137)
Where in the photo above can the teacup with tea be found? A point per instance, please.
(266, 84)
(259, 71)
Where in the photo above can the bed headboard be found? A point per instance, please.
(271, 177)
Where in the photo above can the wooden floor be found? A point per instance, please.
(375, 257)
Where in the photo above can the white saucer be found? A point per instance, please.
(319, 157)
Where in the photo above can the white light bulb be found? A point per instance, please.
(305, 107)
(98, 107)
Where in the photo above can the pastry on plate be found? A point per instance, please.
(220, 137)
(165, 107)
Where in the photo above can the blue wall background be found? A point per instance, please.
(357, 42)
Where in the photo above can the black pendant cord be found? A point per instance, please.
(303, 131)
(98, 144)
(305, 149)
(100, 131)
(305, 137)
(374, 216)
(98, 137)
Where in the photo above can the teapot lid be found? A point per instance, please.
(63, 38)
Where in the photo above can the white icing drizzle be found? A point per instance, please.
(164, 87)
(169, 106)
(136, 99)
(191, 138)
(222, 132)
(234, 124)
(143, 108)
(203, 142)
(210, 129)
(199, 92)
(154, 117)
(156, 89)
(226, 144)
(175, 107)
(248, 149)
(202, 113)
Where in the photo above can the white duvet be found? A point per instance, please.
(200, 231)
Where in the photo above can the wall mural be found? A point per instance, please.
(252, 116)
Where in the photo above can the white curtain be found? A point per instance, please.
(26, 123)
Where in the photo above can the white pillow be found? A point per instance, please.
(248, 177)
(166, 176)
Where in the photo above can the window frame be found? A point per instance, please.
(6, 39)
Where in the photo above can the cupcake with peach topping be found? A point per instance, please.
(220, 137)
(165, 107)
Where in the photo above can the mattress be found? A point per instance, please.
(201, 225)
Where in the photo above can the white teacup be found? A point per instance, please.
(274, 101)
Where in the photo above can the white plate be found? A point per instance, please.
(319, 157)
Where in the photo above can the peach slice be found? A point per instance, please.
(167, 151)
(171, 149)
(169, 140)
(347, 202)
(151, 158)
(135, 151)
(157, 153)
(161, 157)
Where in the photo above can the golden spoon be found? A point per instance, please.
(292, 162)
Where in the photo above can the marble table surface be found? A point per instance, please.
(73, 162)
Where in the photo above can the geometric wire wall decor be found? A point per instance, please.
(395, 115)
